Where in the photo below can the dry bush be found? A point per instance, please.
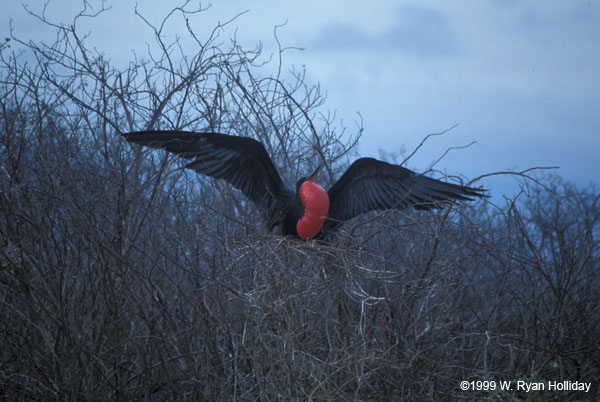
(125, 278)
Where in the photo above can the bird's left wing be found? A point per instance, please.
(370, 184)
(242, 161)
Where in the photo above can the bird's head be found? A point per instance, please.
(306, 178)
(316, 205)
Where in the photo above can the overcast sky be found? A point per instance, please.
(522, 78)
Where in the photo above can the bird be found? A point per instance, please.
(311, 211)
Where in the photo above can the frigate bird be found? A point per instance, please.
(368, 184)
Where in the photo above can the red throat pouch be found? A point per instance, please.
(316, 205)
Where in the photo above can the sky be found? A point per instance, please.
(521, 78)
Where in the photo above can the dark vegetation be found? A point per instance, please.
(123, 277)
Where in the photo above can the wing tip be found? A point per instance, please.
(475, 192)
(136, 136)
(154, 138)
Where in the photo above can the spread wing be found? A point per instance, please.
(370, 184)
(242, 161)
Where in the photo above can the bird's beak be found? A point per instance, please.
(312, 176)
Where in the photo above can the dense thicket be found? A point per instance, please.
(123, 277)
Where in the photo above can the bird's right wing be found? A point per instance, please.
(370, 184)
(242, 161)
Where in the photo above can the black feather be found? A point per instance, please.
(242, 161)
(370, 184)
